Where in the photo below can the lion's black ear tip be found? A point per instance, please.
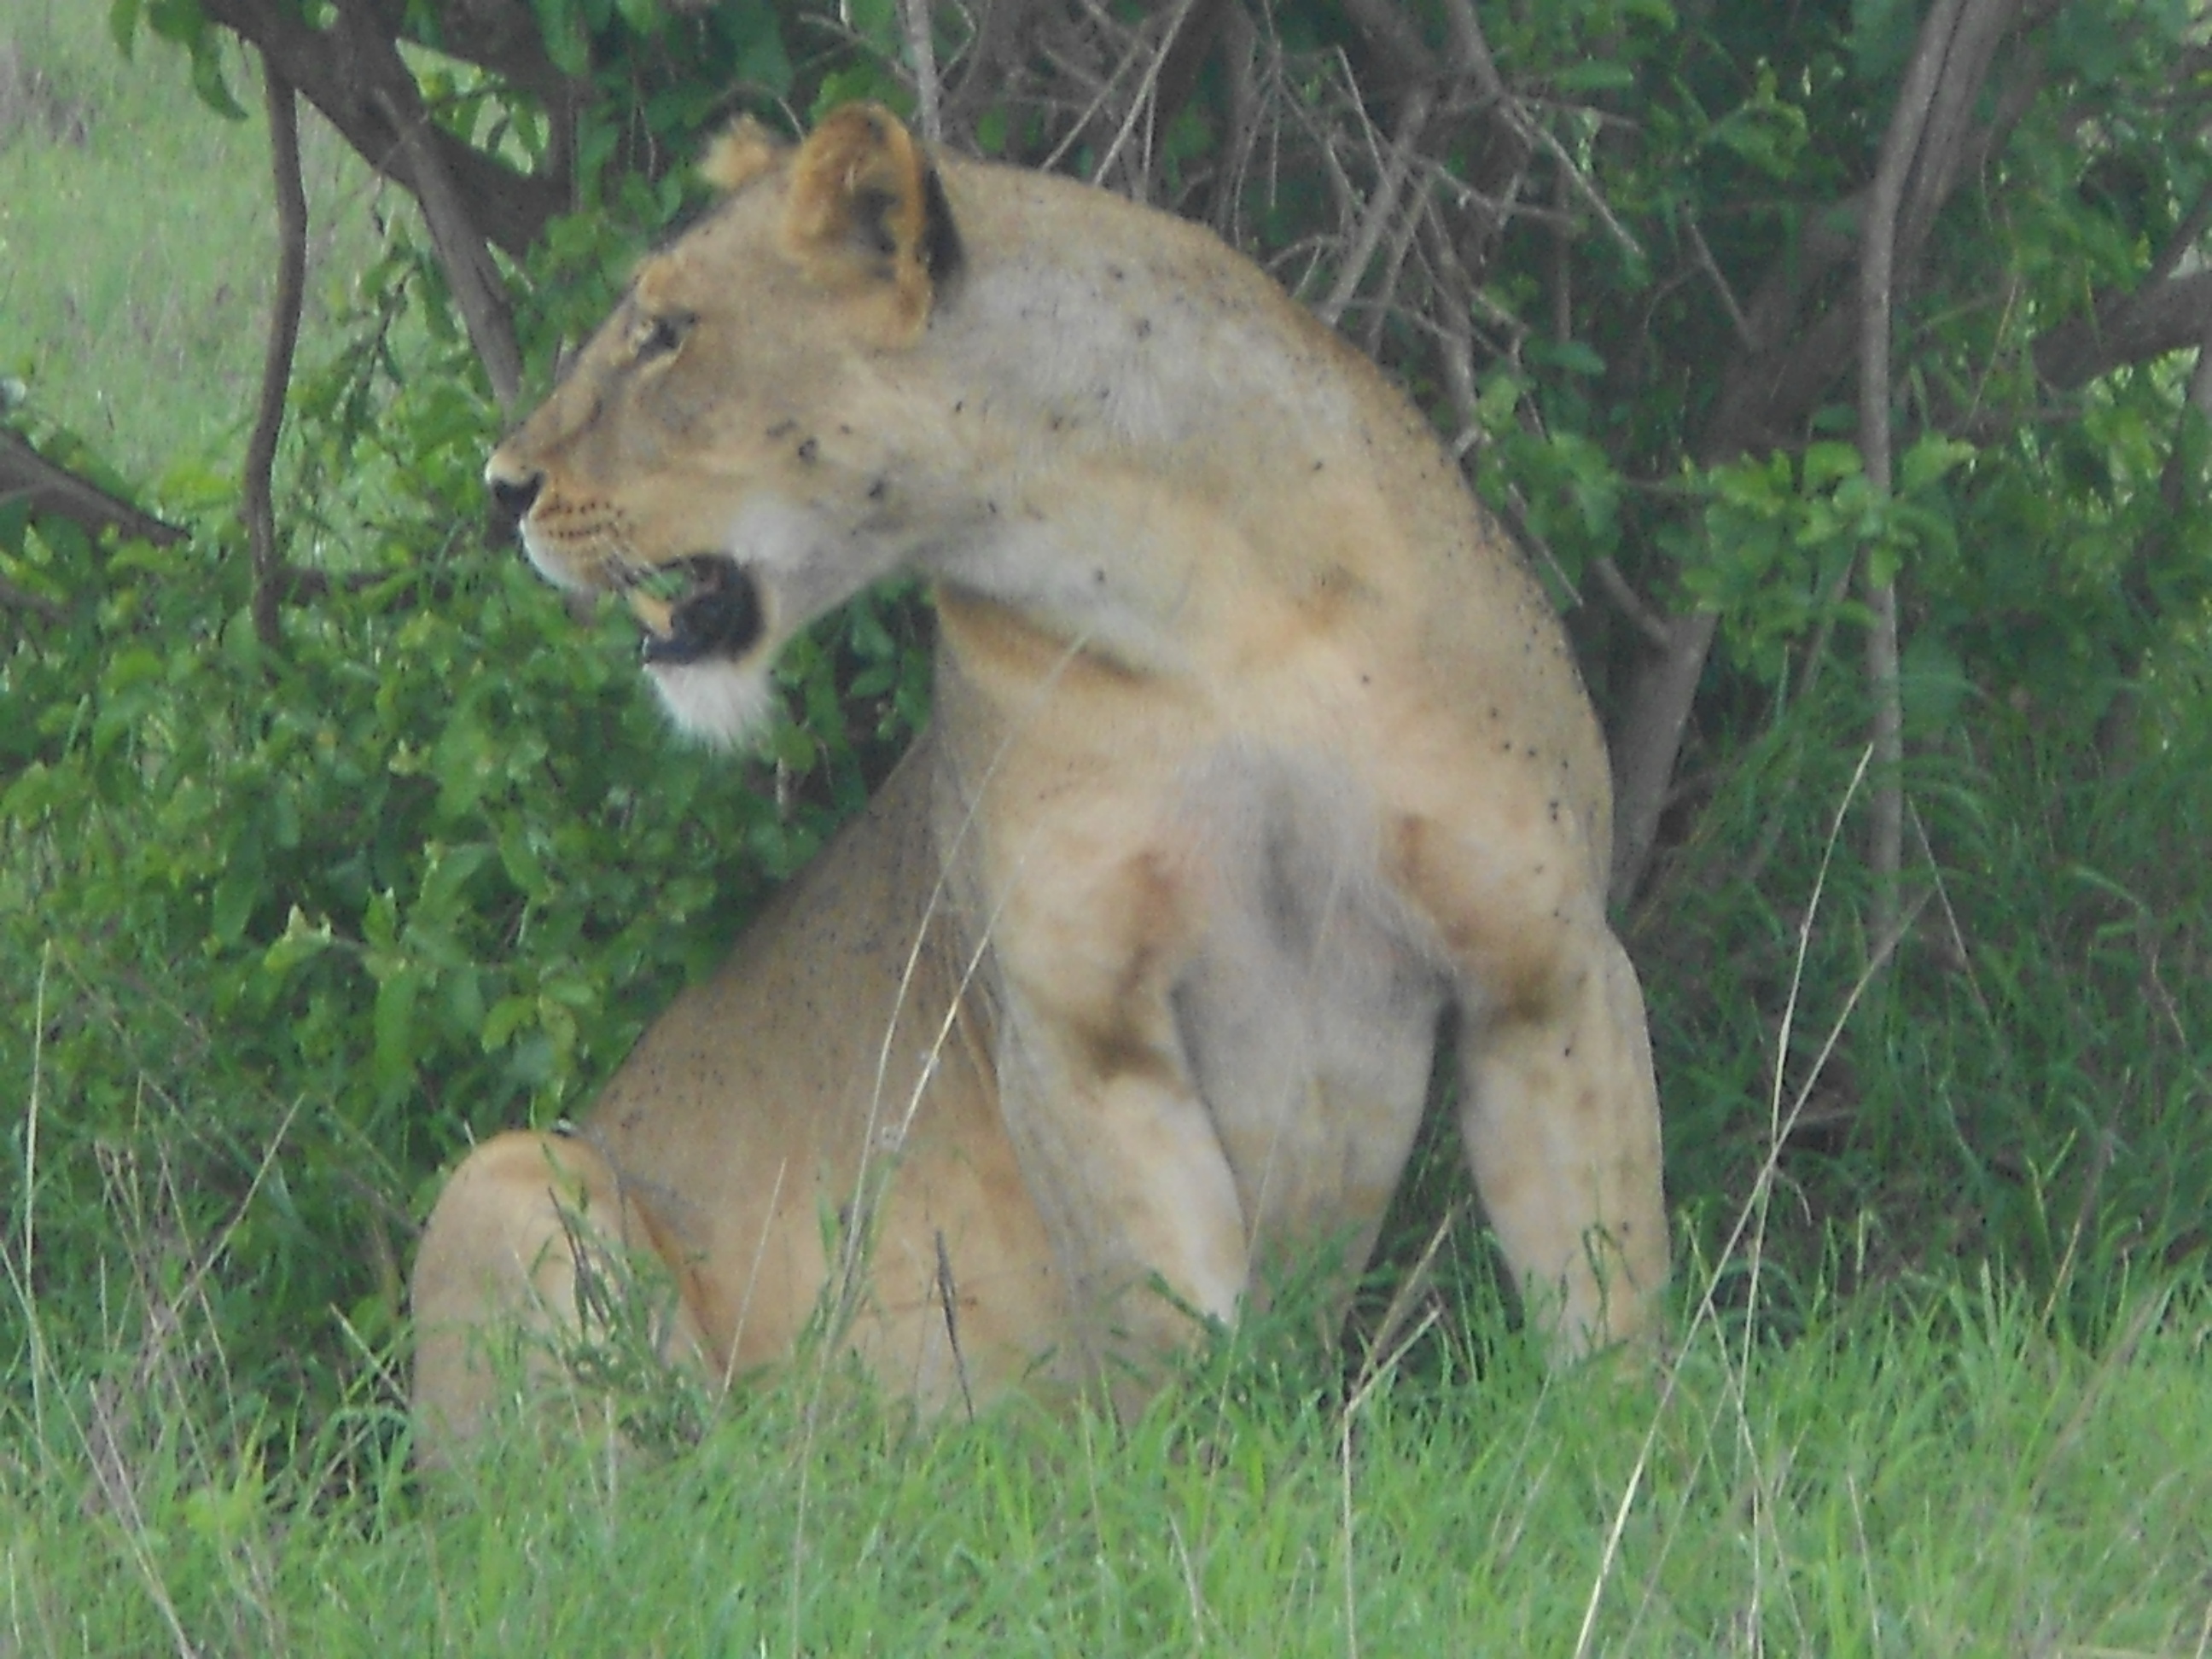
(942, 253)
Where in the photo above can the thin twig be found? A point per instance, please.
(1141, 102)
(1642, 617)
(948, 1299)
(1710, 266)
(1878, 235)
(922, 47)
(1381, 207)
(461, 249)
(258, 502)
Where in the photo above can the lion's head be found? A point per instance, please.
(713, 453)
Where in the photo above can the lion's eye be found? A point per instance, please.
(659, 337)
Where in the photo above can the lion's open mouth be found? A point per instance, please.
(703, 607)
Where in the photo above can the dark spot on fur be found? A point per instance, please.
(781, 430)
(879, 488)
(1143, 328)
(808, 449)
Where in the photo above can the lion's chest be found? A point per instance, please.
(1308, 1006)
(1222, 916)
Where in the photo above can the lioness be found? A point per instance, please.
(1256, 753)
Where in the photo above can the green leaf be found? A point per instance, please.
(447, 875)
(208, 79)
(123, 24)
(232, 906)
(302, 941)
(1827, 462)
(508, 1015)
(562, 28)
(1596, 74)
(393, 1064)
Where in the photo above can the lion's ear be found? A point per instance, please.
(866, 204)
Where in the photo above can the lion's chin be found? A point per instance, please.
(718, 701)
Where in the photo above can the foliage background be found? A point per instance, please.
(286, 920)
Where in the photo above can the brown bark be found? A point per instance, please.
(258, 504)
(1907, 140)
(508, 207)
(55, 491)
(389, 87)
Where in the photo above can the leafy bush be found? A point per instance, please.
(424, 871)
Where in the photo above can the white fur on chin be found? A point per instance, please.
(721, 702)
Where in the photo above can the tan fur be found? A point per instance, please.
(1256, 753)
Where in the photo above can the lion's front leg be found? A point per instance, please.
(1129, 1175)
(1558, 1110)
(1560, 1119)
(1120, 1154)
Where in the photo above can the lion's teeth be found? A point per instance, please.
(658, 615)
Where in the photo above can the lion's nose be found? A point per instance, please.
(515, 493)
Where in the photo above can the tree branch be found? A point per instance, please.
(1918, 129)
(1412, 116)
(390, 89)
(55, 491)
(258, 504)
(2122, 329)
(510, 208)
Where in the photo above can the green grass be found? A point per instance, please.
(1935, 1472)
(137, 244)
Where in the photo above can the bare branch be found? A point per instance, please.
(1381, 206)
(922, 49)
(1708, 265)
(257, 503)
(1141, 105)
(2130, 328)
(509, 206)
(1646, 620)
(26, 475)
(1903, 148)
(389, 88)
